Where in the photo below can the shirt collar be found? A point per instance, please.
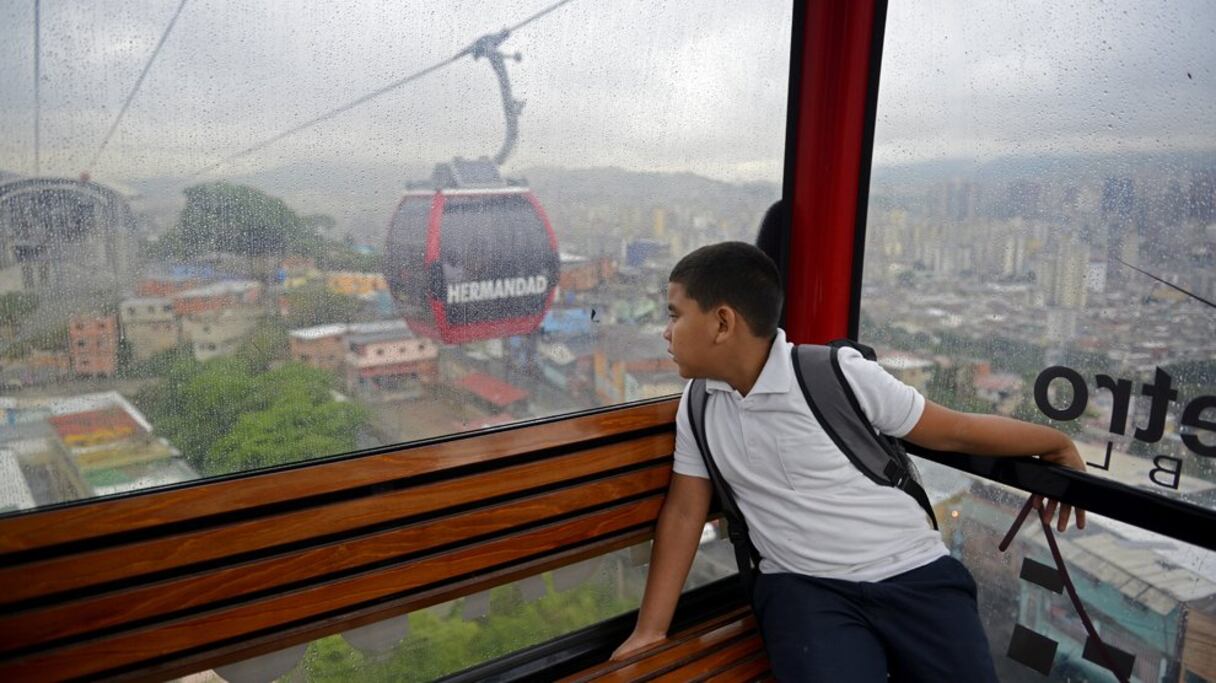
(776, 376)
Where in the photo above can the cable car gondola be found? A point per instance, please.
(471, 260)
(470, 255)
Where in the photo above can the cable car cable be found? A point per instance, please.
(471, 50)
(1169, 284)
(135, 89)
(538, 15)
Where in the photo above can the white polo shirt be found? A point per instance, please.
(811, 511)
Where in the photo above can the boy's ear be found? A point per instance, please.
(727, 322)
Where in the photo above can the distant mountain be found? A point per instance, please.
(361, 197)
(641, 188)
(1044, 167)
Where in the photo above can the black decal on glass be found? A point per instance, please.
(1162, 394)
(1173, 472)
(1042, 574)
(1032, 650)
(1105, 463)
(1123, 661)
(1080, 393)
(1192, 417)
(1121, 395)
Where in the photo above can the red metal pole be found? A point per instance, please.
(831, 140)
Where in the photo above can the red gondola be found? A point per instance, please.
(471, 256)
(474, 259)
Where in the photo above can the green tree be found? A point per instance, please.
(16, 306)
(267, 343)
(199, 403)
(160, 363)
(288, 431)
(438, 646)
(226, 416)
(314, 304)
(235, 219)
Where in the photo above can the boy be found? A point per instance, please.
(854, 581)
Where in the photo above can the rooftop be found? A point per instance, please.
(492, 389)
(320, 331)
(898, 360)
(378, 326)
(113, 420)
(382, 336)
(220, 288)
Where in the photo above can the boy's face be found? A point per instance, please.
(690, 334)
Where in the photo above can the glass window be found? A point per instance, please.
(446, 638)
(1041, 236)
(1151, 599)
(238, 190)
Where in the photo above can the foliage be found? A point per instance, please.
(314, 304)
(292, 427)
(437, 646)
(16, 306)
(269, 342)
(236, 219)
(160, 363)
(54, 339)
(226, 415)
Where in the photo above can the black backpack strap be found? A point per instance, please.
(746, 556)
(879, 457)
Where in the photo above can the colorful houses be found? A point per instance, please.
(93, 345)
(388, 360)
(149, 325)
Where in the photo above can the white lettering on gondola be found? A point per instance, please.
(490, 290)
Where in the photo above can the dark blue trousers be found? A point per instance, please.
(922, 625)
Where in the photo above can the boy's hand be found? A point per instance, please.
(636, 643)
(1066, 456)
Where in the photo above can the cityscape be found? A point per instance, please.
(211, 277)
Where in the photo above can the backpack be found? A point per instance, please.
(879, 457)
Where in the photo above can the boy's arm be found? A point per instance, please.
(943, 429)
(675, 544)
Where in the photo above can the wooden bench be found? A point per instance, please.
(725, 649)
(166, 583)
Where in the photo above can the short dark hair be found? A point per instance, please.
(736, 274)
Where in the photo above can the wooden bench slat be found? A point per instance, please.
(685, 653)
(714, 661)
(150, 600)
(134, 647)
(604, 668)
(754, 668)
(101, 518)
(319, 628)
(34, 579)
(676, 652)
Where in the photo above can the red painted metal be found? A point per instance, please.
(832, 106)
(438, 326)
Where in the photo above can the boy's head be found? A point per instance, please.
(718, 297)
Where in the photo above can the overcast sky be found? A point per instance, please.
(643, 84)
